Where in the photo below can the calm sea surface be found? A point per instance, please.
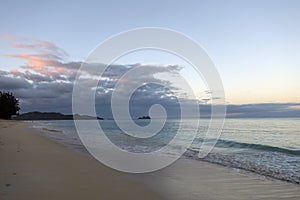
(265, 146)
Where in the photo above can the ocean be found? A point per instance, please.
(265, 146)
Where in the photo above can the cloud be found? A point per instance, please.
(8, 37)
(42, 46)
(294, 107)
(46, 59)
(9, 83)
(42, 65)
(262, 110)
(45, 83)
(2, 73)
(265, 110)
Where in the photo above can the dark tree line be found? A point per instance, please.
(9, 105)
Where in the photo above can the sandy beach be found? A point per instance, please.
(35, 167)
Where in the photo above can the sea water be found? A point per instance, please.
(266, 146)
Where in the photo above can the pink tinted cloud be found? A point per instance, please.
(36, 61)
(38, 44)
(42, 47)
(15, 72)
(46, 64)
(8, 37)
(45, 58)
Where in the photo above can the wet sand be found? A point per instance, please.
(194, 180)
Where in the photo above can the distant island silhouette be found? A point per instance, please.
(59, 116)
(53, 116)
(145, 117)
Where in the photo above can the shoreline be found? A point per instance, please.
(185, 179)
(193, 180)
(49, 132)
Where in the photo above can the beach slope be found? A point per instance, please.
(34, 167)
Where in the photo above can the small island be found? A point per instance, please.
(145, 117)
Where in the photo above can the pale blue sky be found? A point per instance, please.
(254, 44)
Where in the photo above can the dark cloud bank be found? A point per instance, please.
(45, 83)
(53, 92)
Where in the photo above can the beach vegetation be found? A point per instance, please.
(9, 105)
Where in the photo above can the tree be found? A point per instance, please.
(9, 105)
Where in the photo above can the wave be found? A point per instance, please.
(241, 145)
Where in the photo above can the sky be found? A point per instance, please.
(255, 45)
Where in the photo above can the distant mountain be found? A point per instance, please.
(53, 116)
